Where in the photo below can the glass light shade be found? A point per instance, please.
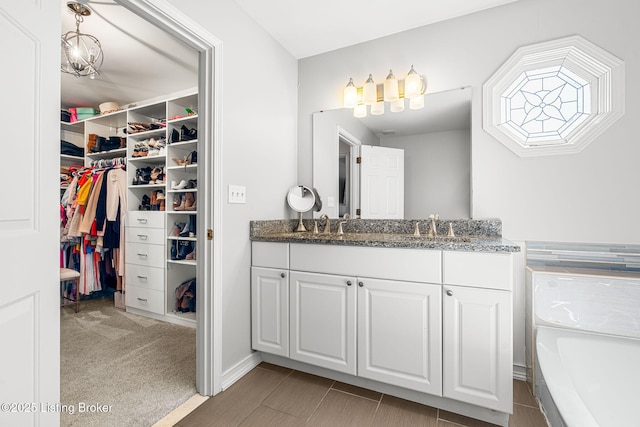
(360, 111)
(397, 106)
(391, 88)
(350, 99)
(416, 103)
(369, 92)
(412, 84)
(377, 109)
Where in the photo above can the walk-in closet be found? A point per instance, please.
(129, 219)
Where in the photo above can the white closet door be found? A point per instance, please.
(29, 232)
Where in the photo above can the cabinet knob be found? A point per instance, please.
(282, 275)
(449, 292)
(360, 284)
(348, 282)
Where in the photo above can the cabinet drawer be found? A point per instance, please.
(146, 219)
(154, 236)
(144, 299)
(478, 269)
(143, 254)
(416, 265)
(145, 277)
(270, 254)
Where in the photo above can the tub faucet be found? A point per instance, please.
(433, 232)
(327, 224)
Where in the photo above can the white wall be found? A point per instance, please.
(585, 197)
(437, 169)
(259, 149)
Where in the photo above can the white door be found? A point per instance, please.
(270, 310)
(323, 320)
(477, 366)
(29, 232)
(381, 182)
(400, 334)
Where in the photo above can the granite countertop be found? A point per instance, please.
(361, 233)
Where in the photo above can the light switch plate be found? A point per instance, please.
(237, 194)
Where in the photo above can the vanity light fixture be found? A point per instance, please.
(350, 95)
(81, 53)
(393, 91)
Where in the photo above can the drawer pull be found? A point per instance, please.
(142, 299)
(450, 292)
(360, 284)
(348, 282)
(142, 277)
(143, 255)
(143, 236)
(283, 275)
(142, 220)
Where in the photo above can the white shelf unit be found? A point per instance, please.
(73, 133)
(106, 126)
(176, 270)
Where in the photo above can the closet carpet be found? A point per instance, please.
(136, 368)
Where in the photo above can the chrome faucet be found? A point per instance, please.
(416, 232)
(340, 231)
(433, 232)
(327, 224)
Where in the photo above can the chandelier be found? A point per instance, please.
(81, 53)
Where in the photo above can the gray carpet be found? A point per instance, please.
(142, 367)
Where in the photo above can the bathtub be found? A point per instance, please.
(592, 378)
(585, 346)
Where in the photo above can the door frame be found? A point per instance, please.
(164, 15)
(354, 172)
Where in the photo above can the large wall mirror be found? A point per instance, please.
(413, 163)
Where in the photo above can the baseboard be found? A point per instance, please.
(519, 373)
(240, 369)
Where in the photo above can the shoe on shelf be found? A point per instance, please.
(174, 251)
(175, 135)
(182, 162)
(179, 202)
(179, 186)
(177, 228)
(156, 175)
(190, 202)
(192, 255)
(188, 134)
(192, 184)
(184, 249)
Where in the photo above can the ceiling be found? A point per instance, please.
(308, 28)
(142, 61)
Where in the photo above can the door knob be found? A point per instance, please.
(449, 292)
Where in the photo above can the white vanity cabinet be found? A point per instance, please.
(323, 320)
(270, 298)
(400, 333)
(430, 321)
(477, 329)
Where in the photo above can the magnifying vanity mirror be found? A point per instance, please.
(301, 199)
(402, 165)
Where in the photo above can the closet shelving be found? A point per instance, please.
(151, 275)
(73, 133)
(142, 295)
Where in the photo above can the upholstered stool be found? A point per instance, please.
(68, 275)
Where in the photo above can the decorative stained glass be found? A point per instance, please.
(545, 105)
(554, 97)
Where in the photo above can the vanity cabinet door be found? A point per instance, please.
(270, 310)
(400, 334)
(323, 320)
(477, 331)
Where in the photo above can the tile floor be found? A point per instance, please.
(270, 395)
